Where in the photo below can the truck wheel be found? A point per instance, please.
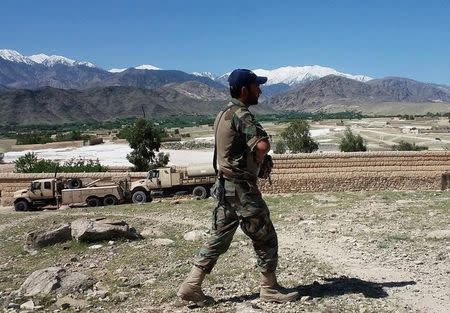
(200, 192)
(74, 183)
(110, 200)
(139, 197)
(93, 201)
(22, 205)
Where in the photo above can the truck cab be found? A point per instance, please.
(40, 193)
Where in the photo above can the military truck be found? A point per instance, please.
(196, 180)
(55, 192)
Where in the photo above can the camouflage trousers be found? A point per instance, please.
(242, 205)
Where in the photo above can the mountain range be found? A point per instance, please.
(57, 89)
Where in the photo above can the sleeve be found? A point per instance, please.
(247, 125)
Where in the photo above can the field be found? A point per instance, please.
(345, 252)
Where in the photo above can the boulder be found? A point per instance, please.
(54, 280)
(39, 239)
(102, 229)
(195, 235)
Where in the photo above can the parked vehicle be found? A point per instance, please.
(196, 180)
(56, 192)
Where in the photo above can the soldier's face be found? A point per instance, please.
(253, 93)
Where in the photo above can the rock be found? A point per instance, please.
(54, 280)
(305, 298)
(39, 239)
(120, 296)
(195, 235)
(102, 229)
(13, 305)
(439, 234)
(173, 202)
(29, 305)
(162, 242)
(94, 247)
(69, 302)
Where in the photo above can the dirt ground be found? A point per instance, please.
(345, 252)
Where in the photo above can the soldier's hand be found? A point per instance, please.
(266, 167)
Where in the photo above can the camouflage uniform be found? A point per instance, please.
(237, 133)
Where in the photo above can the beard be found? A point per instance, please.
(252, 100)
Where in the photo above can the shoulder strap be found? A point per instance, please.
(215, 137)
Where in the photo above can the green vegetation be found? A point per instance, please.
(29, 163)
(406, 146)
(45, 137)
(298, 138)
(144, 138)
(351, 143)
(280, 147)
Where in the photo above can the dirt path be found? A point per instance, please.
(423, 295)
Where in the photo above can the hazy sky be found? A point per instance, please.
(375, 38)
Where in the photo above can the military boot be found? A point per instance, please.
(272, 292)
(191, 288)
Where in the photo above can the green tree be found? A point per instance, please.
(280, 147)
(298, 138)
(144, 138)
(406, 146)
(351, 143)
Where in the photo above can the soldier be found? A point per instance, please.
(241, 155)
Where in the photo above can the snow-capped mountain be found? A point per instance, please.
(140, 67)
(51, 60)
(47, 60)
(117, 70)
(205, 74)
(146, 67)
(14, 56)
(294, 75)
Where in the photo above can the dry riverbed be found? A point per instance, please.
(345, 252)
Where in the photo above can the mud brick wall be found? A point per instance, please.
(387, 170)
(316, 172)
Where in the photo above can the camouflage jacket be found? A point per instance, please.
(237, 133)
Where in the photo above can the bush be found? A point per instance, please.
(298, 137)
(280, 147)
(406, 146)
(29, 163)
(351, 143)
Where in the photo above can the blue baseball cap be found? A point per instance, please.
(243, 77)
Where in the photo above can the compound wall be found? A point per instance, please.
(317, 172)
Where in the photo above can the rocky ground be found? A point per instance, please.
(345, 252)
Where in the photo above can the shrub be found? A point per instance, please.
(351, 143)
(406, 146)
(298, 137)
(29, 163)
